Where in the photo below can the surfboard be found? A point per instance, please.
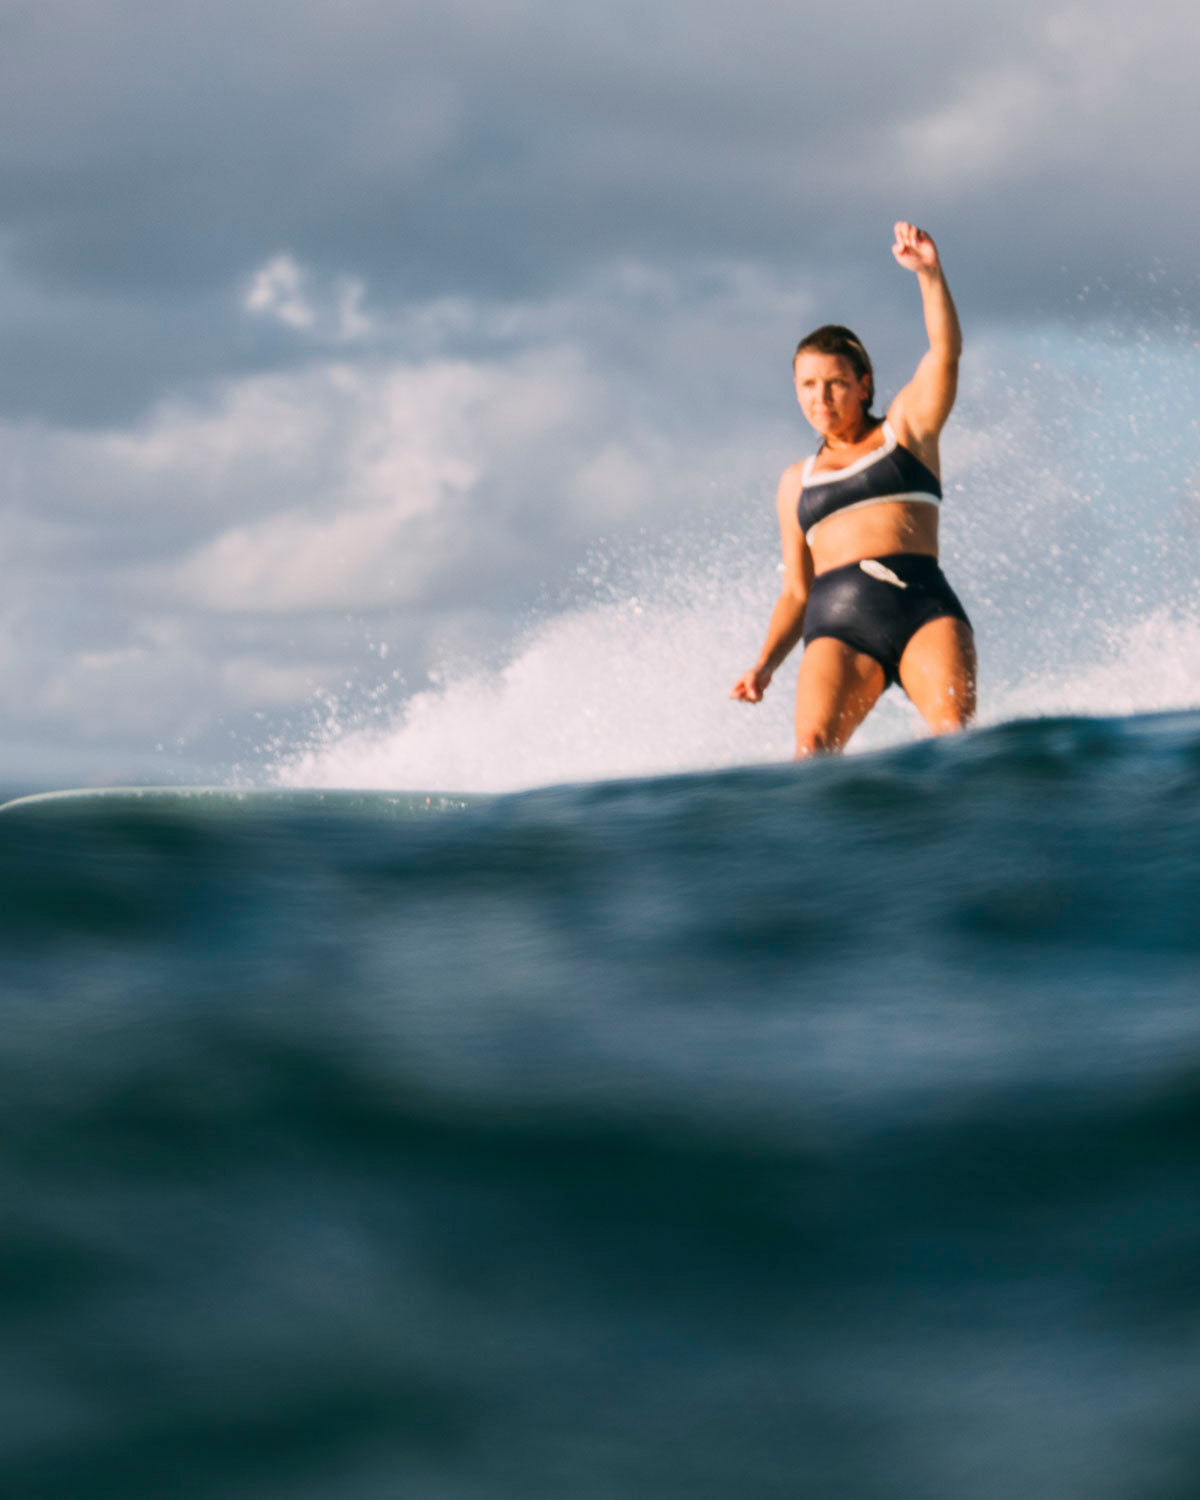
(255, 800)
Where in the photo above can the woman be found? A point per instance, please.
(859, 521)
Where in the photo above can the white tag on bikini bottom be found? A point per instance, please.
(877, 570)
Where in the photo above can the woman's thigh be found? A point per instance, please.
(835, 691)
(938, 672)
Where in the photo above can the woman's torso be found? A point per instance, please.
(882, 499)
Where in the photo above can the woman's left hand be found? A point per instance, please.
(914, 249)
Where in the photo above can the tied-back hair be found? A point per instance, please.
(833, 338)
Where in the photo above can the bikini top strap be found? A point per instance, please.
(889, 433)
(806, 472)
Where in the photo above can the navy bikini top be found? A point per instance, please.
(887, 473)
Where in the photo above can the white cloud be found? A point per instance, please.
(212, 561)
(993, 118)
(1076, 77)
(254, 427)
(277, 291)
(256, 682)
(153, 685)
(284, 291)
(614, 485)
(360, 560)
(352, 321)
(390, 502)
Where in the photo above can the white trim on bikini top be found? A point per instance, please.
(889, 442)
(910, 497)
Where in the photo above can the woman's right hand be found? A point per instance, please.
(751, 685)
(914, 249)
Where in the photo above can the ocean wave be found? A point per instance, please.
(792, 1129)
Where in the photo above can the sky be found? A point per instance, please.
(337, 342)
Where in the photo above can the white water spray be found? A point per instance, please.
(1078, 609)
(631, 690)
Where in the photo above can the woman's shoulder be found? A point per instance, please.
(791, 481)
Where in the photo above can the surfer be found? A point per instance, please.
(862, 586)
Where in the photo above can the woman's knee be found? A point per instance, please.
(810, 742)
(950, 723)
(954, 710)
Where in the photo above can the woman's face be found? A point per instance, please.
(831, 395)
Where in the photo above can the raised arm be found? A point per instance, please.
(919, 412)
(787, 618)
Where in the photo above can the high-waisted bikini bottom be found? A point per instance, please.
(877, 605)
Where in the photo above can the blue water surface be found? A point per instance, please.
(828, 1130)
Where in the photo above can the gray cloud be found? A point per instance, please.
(155, 154)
